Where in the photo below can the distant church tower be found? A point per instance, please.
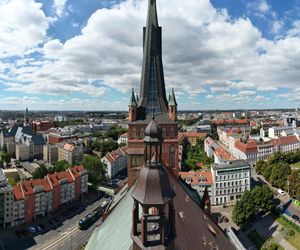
(152, 102)
(155, 228)
(26, 118)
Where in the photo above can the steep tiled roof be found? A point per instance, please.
(223, 154)
(249, 147)
(69, 147)
(18, 193)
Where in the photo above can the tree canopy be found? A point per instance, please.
(251, 202)
(95, 168)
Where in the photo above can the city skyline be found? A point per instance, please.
(69, 55)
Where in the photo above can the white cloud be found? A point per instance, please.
(263, 6)
(247, 93)
(277, 26)
(295, 30)
(202, 49)
(23, 26)
(59, 6)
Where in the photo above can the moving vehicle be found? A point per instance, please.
(280, 191)
(90, 219)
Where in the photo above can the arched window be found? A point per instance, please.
(172, 134)
(133, 133)
(164, 133)
(142, 133)
(172, 156)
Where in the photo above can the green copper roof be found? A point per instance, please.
(114, 232)
(132, 101)
(172, 99)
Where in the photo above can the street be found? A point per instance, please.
(63, 235)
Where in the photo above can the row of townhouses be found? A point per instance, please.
(225, 183)
(38, 197)
(241, 146)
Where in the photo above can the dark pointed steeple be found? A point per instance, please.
(132, 101)
(152, 92)
(172, 99)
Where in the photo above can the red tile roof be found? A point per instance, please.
(249, 147)
(198, 177)
(18, 194)
(284, 140)
(223, 154)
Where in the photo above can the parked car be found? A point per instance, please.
(37, 228)
(225, 219)
(219, 219)
(31, 229)
(281, 192)
(295, 217)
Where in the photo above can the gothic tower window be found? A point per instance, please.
(172, 156)
(133, 133)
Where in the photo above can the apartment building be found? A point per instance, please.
(116, 161)
(70, 152)
(39, 197)
(50, 153)
(230, 180)
(6, 202)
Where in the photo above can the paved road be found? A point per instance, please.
(67, 236)
(64, 235)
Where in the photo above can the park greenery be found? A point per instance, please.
(195, 154)
(113, 132)
(104, 146)
(252, 202)
(277, 170)
(95, 168)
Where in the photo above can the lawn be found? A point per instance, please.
(294, 240)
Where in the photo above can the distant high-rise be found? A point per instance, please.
(26, 118)
(152, 102)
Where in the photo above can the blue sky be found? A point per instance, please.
(86, 55)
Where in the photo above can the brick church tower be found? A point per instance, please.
(152, 102)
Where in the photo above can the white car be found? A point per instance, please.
(281, 192)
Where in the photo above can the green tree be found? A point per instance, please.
(244, 209)
(280, 173)
(294, 184)
(251, 202)
(95, 168)
(13, 181)
(6, 157)
(40, 172)
(59, 166)
(261, 166)
(114, 132)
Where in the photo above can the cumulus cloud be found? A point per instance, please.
(203, 49)
(23, 25)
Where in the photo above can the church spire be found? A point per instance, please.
(152, 91)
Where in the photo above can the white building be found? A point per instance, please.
(275, 132)
(123, 138)
(116, 161)
(230, 181)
